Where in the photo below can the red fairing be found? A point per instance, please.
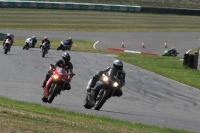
(62, 75)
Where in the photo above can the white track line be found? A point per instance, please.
(95, 44)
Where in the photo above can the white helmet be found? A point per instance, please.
(8, 34)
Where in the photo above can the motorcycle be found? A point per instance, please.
(28, 44)
(7, 46)
(55, 84)
(168, 52)
(107, 88)
(64, 45)
(44, 49)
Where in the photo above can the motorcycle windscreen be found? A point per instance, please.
(7, 41)
(113, 74)
(65, 43)
(62, 71)
(29, 40)
(45, 43)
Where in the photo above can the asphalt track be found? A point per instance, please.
(148, 98)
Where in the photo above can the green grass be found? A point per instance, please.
(74, 20)
(154, 3)
(16, 116)
(171, 67)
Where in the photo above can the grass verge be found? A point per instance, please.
(75, 20)
(16, 116)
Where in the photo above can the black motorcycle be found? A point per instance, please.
(44, 49)
(64, 45)
(169, 52)
(7, 46)
(106, 86)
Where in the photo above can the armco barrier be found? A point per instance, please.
(69, 6)
(168, 10)
(99, 7)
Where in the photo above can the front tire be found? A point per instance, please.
(6, 50)
(24, 47)
(43, 52)
(101, 100)
(52, 92)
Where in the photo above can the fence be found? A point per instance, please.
(69, 6)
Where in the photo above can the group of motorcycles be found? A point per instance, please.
(59, 79)
(64, 45)
(7, 46)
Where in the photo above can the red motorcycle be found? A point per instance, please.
(55, 84)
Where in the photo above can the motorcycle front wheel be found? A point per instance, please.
(101, 99)
(6, 50)
(52, 92)
(43, 52)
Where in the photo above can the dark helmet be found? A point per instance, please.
(66, 57)
(118, 64)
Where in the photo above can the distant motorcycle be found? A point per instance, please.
(44, 49)
(107, 89)
(28, 43)
(7, 46)
(55, 84)
(168, 52)
(64, 45)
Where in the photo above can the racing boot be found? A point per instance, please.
(44, 83)
(90, 85)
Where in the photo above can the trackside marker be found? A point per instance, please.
(94, 46)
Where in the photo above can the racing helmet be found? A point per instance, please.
(45, 37)
(66, 57)
(118, 64)
(8, 34)
(33, 37)
(69, 38)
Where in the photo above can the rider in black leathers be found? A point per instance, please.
(8, 36)
(34, 41)
(173, 51)
(117, 68)
(70, 42)
(46, 40)
(65, 64)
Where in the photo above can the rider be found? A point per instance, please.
(118, 67)
(8, 36)
(46, 40)
(34, 41)
(173, 50)
(70, 42)
(64, 63)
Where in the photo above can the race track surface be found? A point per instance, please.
(148, 98)
(153, 41)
